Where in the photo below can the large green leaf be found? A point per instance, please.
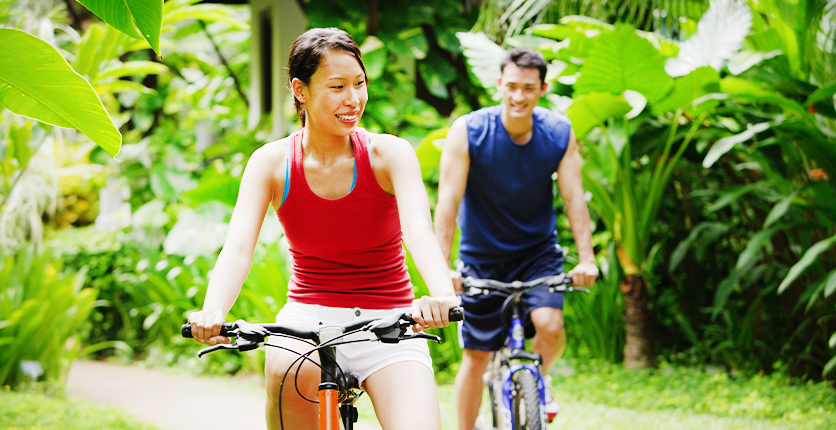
(585, 23)
(822, 94)
(725, 144)
(704, 233)
(749, 255)
(592, 109)
(437, 73)
(374, 57)
(687, 89)
(35, 81)
(830, 284)
(133, 68)
(182, 11)
(623, 60)
(779, 210)
(807, 259)
(136, 18)
(429, 152)
(720, 34)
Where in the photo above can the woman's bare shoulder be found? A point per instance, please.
(381, 144)
(271, 153)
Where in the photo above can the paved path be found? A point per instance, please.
(171, 402)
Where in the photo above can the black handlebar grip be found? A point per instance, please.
(186, 329)
(457, 314)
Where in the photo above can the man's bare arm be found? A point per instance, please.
(570, 182)
(455, 165)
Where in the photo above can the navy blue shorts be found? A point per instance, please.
(482, 328)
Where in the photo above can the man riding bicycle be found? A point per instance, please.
(499, 162)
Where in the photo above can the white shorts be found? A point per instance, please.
(363, 358)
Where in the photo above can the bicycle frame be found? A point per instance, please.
(512, 359)
(336, 397)
(514, 377)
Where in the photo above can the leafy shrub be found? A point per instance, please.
(594, 324)
(145, 295)
(42, 310)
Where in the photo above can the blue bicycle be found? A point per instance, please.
(514, 380)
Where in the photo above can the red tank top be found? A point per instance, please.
(347, 252)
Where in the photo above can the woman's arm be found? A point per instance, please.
(400, 172)
(233, 265)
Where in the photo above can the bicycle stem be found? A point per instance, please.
(329, 408)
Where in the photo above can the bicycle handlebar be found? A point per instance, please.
(557, 283)
(389, 329)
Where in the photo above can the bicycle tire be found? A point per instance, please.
(527, 396)
(495, 399)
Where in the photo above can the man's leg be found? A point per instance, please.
(550, 339)
(468, 386)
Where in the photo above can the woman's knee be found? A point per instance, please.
(284, 374)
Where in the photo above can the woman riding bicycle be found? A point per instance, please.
(347, 200)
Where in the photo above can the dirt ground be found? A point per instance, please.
(171, 402)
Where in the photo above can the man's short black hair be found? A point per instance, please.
(526, 58)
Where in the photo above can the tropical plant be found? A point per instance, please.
(502, 20)
(622, 72)
(603, 88)
(595, 328)
(786, 103)
(42, 312)
(122, 75)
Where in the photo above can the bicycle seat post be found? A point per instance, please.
(328, 389)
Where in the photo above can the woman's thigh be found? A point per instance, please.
(291, 388)
(404, 397)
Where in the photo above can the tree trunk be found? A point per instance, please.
(638, 348)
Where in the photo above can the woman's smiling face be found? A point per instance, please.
(337, 94)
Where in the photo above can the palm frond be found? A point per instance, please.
(720, 34)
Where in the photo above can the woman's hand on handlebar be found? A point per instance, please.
(432, 312)
(206, 327)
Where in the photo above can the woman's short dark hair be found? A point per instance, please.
(307, 52)
(526, 58)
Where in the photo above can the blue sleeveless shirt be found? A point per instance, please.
(508, 205)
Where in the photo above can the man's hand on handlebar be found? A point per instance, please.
(456, 278)
(432, 312)
(584, 274)
(206, 327)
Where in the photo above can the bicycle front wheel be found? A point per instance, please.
(528, 414)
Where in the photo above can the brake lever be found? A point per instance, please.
(217, 347)
(422, 335)
(251, 332)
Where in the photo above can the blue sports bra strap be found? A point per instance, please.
(287, 168)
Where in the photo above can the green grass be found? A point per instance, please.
(608, 397)
(29, 411)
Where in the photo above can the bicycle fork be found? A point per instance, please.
(504, 384)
